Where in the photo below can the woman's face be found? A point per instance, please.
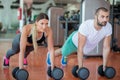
(42, 25)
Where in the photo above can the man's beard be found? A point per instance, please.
(102, 23)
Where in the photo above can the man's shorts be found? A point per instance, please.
(68, 47)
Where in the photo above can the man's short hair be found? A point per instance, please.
(101, 9)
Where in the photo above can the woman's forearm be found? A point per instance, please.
(21, 57)
(52, 57)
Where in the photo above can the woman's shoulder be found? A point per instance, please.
(28, 28)
(48, 31)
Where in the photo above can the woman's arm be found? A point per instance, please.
(23, 42)
(51, 46)
(81, 43)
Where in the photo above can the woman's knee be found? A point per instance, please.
(16, 41)
(11, 52)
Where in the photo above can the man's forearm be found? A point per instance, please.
(106, 52)
(80, 58)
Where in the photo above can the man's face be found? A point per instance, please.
(102, 18)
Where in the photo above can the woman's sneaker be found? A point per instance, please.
(25, 62)
(5, 62)
(48, 59)
(64, 61)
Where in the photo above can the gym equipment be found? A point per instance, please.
(109, 72)
(20, 74)
(55, 24)
(76, 26)
(115, 47)
(62, 18)
(56, 73)
(82, 73)
(100, 70)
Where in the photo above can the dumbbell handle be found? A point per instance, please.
(104, 67)
(56, 73)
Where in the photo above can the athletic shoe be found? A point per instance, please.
(5, 62)
(25, 62)
(64, 61)
(48, 59)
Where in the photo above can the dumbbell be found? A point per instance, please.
(82, 73)
(109, 72)
(56, 73)
(20, 74)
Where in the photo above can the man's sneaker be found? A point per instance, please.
(64, 61)
(5, 62)
(25, 62)
(48, 59)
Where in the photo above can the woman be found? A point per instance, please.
(29, 39)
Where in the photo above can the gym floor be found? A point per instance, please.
(37, 65)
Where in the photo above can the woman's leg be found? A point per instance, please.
(14, 50)
(27, 52)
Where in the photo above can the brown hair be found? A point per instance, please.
(34, 29)
(101, 9)
(42, 16)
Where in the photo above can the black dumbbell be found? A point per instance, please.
(109, 72)
(56, 73)
(20, 74)
(82, 73)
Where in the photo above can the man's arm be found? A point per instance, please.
(81, 43)
(106, 50)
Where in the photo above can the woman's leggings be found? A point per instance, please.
(16, 47)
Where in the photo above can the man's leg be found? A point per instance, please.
(67, 49)
(58, 52)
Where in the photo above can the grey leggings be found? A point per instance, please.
(16, 47)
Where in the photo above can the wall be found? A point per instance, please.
(89, 7)
(8, 16)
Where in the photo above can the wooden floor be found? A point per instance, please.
(37, 65)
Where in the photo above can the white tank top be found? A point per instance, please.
(92, 35)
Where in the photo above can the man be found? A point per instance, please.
(90, 33)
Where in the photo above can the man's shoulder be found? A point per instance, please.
(108, 24)
(88, 21)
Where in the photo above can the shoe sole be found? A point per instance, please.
(25, 65)
(5, 67)
(63, 64)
